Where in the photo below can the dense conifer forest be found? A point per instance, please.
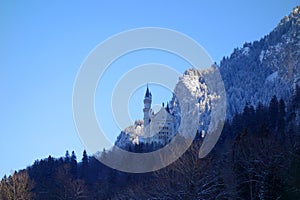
(257, 157)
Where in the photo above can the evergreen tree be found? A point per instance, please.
(84, 166)
(73, 164)
(67, 157)
(281, 116)
(273, 112)
(85, 159)
(260, 113)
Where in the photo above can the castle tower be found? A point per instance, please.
(147, 107)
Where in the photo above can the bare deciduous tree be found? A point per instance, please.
(17, 186)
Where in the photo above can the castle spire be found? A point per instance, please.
(148, 93)
(147, 106)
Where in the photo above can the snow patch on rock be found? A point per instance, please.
(272, 77)
(245, 51)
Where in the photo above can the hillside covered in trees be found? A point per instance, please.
(257, 157)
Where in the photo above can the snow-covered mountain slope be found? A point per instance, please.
(251, 74)
(264, 68)
(199, 99)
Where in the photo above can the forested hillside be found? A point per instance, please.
(258, 156)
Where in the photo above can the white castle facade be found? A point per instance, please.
(158, 127)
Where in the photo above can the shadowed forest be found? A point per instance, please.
(257, 157)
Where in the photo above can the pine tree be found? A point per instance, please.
(73, 164)
(273, 112)
(281, 116)
(67, 157)
(84, 166)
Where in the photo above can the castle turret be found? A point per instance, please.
(147, 107)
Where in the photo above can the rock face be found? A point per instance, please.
(252, 74)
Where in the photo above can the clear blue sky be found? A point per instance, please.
(43, 43)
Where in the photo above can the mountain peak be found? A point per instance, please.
(290, 23)
(296, 10)
(294, 15)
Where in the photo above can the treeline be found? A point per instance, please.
(257, 157)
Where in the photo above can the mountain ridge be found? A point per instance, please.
(252, 74)
(271, 66)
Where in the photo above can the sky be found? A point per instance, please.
(44, 43)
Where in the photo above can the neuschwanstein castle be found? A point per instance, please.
(154, 128)
(158, 127)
